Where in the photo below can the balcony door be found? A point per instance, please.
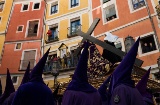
(28, 56)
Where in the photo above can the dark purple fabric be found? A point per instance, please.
(26, 76)
(8, 89)
(33, 93)
(122, 74)
(81, 98)
(148, 101)
(127, 96)
(36, 73)
(142, 86)
(9, 100)
(80, 80)
(103, 90)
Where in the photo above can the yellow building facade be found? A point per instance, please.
(63, 19)
(5, 11)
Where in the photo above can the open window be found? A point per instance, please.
(36, 6)
(18, 46)
(33, 28)
(1, 6)
(148, 44)
(110, 13)
(20, 29)
(25, 7)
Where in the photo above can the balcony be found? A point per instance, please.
(73, 30)
(51, 38)
(54, 66)
(24, 63)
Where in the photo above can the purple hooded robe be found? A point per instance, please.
(122, 87)
(35, 92)
(79, 91)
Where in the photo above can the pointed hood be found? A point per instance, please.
(26, 77)
(8, 89)
(36, 73)
(122, 74)
(56, 92)
(103, 89)
(80, 80)
(142, 86)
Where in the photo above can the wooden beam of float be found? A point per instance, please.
(89, 32)
(87, 36)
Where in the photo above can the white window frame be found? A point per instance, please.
(34, 5)
(17, 79)
(132, 10)
(22, 57)
(51, 7)
(16, 46)
(26, 34)
(78, 18)
(23, 6)
(3, 5)
(18, 27)
(140, 47)
(50, 26)
(74, 6)
(104, 6)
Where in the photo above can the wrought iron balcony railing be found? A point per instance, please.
(54, 66)
(24, 63)
(73, 30)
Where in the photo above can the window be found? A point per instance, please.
(33, 28)
(20, 28)
(14, 79)
(74, 3)
(110, 13)
(25, 7)
(18, 46)
(74, 26)
(105, 1)
(54, 7)
(28, 56)
(54, 35)
(148, 44)
(138, 4)
(1, 6)
(36, 5)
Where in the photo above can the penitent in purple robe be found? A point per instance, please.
(25, 79)
(35, 92)
(122, 87)
(142, 88)
(79, 91)
(8, 89)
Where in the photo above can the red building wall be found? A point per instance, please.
(21, 18)
(125, 17)
(12, 58)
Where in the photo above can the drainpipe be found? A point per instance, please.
(44, 28)
(152, 23)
